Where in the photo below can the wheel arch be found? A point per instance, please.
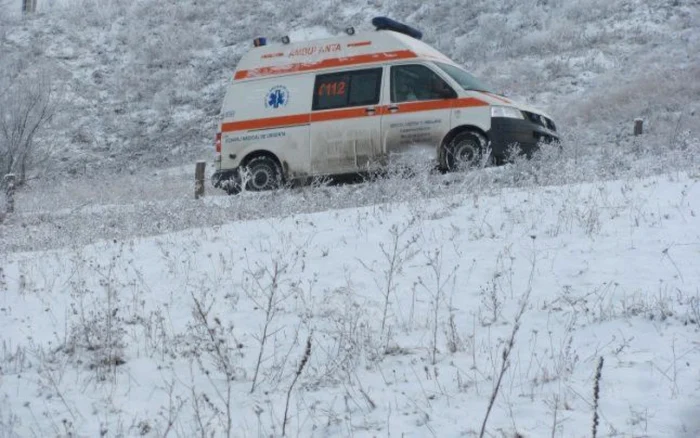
(460, 129)
(264, 153)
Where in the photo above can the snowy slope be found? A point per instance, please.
(408, 308)
(140, 84)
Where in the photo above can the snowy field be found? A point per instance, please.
(488, 303)
(396, 319)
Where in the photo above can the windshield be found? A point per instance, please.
(464, 79)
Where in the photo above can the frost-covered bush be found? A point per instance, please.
(27, 99)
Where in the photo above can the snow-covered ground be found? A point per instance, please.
(407, 308)
(384, 308)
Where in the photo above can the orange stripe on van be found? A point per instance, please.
(326, 63)
(299, 119)
(359, 44)
(269, 122)
(348, 113)
(429, 105)
(467, 102)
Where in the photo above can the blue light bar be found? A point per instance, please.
(259, 42)
(385, 23)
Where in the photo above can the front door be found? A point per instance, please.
(345, 121)
(418, 115)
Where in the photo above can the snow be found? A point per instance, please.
(606, 270)
(108, 259)
(311, 33)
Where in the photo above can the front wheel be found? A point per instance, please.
(260, 174)
(464, 151)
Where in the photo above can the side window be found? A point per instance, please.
(418, 82)
(331, 91)
(353, 88)
(365, 86)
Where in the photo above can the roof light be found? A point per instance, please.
(285, 39)
(385, 23)
(350, 30)
(259, 42)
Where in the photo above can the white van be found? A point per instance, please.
(347, 104)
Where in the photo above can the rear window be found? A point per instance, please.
(347, 89)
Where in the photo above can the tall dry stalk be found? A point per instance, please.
(302, 364)
(508, 349)
(596, 395)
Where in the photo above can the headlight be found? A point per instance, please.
(506, 111)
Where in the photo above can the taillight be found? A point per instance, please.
(217, 142)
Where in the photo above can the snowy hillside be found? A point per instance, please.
(486, 303)
(139, 84)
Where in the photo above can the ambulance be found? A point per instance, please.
(348, 104)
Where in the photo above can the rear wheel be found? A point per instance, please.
(464, 151)
(261, 173)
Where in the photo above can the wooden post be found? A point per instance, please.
(199, 179)
(10, 192)
(638, 126)
(28, 6)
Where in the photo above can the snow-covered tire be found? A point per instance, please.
(464, 151)
(261, 173)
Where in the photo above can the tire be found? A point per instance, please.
(261, 173)
(464, 151)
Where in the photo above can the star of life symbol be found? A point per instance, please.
(277, 97)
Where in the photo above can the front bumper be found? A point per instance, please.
(526, 134)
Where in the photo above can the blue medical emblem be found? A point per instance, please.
(277, 97)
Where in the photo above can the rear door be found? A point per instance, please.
(345, 121)
(418, 115)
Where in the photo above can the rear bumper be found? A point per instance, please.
(525, 134)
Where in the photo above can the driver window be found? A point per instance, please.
(417, 82)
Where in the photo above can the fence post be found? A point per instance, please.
(10, 192)
(638, 126)
(28, 6)
(199, 179)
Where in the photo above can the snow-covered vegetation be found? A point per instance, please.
(410, 304)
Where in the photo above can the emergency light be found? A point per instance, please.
(259, 42)
(385, 23)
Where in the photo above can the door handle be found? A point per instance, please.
(393, 108)
(371, 111)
